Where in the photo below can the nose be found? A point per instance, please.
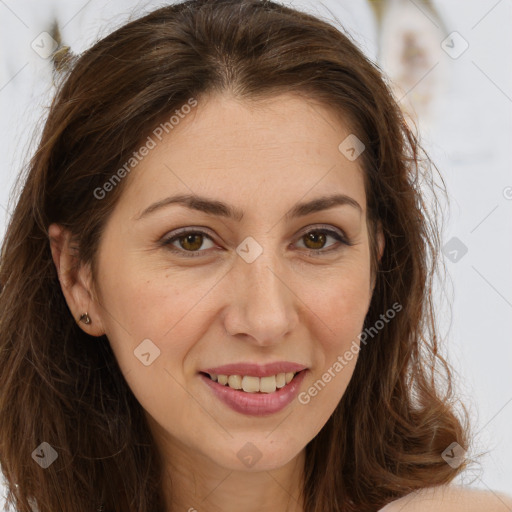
(262, 306)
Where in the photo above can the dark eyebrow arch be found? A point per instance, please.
(220, 209)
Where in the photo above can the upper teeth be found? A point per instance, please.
(254, 384)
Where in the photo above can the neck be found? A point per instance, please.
(194, 483)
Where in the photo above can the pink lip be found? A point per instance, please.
(256, 370)
(256, 404)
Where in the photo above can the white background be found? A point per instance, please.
(466, 128)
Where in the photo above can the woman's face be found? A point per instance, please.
(274, 287)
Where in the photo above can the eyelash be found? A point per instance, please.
(166, 242)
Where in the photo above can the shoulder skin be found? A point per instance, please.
(451, 498)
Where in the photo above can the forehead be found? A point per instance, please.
(279, 150)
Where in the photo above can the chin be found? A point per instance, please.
(256, 452)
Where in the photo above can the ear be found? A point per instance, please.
(75, 280)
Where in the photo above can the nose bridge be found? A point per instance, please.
(263, 305)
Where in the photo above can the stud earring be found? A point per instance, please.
(85, 318)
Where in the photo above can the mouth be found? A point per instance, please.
(253, 384)
(255, 395)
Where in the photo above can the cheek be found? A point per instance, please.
(340, 310)
(151, 334)
(341, 303)
(139, 306)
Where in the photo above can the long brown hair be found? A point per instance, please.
(61, 386)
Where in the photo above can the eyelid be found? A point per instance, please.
(323, 227)
(330, 230)
(167, 240)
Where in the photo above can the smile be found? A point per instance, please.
(252, 384)
(255, 396)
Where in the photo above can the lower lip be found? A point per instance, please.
(256, 404)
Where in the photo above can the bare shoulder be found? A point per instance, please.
(451, 498)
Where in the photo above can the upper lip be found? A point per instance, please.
(256, 370)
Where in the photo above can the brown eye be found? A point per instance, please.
(188, 242)
(317, 240)
(191, 242)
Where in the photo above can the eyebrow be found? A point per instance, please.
(220, 209)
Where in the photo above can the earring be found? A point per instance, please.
(85, 318)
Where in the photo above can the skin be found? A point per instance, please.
(452, 499)
(287, 305)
